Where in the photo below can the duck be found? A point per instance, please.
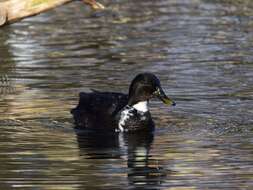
(120, 112)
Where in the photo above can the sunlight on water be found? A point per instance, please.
(200, 49)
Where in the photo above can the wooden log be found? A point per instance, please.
(3, 15)
(14, 10)
(95, 5)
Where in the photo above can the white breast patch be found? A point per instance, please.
(124, 116)
(141, 106)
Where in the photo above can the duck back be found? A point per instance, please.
(97, 110)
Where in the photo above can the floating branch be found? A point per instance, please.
(14, 10)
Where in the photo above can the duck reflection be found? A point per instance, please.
(134, 148)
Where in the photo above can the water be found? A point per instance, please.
(201, 50)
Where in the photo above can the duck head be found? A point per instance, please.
(144, 87)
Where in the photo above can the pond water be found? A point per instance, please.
(201, 50)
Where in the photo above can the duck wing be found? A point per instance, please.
(98, 109)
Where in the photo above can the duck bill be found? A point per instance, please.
(95, 5)
(162, 96)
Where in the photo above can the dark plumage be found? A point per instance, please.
(112, 111)
(98, 109)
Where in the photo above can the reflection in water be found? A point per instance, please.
(141, 170)
(200, 49)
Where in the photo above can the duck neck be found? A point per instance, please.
(141, 106)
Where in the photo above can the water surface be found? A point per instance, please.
(201, 50)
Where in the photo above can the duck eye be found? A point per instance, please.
(157, 92)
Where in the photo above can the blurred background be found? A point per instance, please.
(202, 51)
